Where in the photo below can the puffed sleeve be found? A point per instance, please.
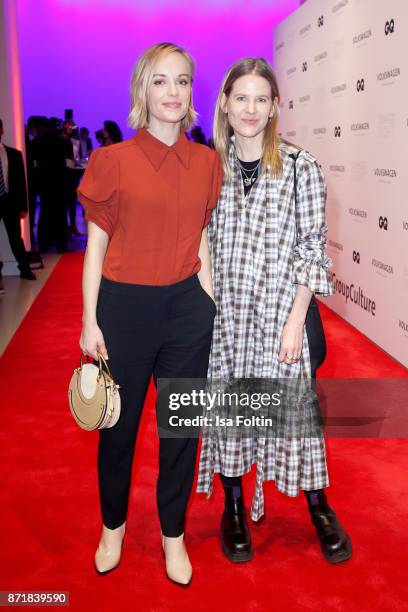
(215, 188)
(310, 260)
(98, 190)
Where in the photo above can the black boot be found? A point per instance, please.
(334, 541)
(235, 537)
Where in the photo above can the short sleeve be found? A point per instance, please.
(98, 190)
(215, 189)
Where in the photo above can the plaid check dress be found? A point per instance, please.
(261, 246)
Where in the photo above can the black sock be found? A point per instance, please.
(232, 482)
(316, 497)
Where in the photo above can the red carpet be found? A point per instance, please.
(50, 512)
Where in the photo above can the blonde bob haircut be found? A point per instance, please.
(222, 131)
(141, 79)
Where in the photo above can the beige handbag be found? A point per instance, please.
(93, 396)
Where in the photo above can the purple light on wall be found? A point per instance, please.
(79, 53)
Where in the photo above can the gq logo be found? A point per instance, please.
(320, 21)
(356, 257)
(389, 27)
(291, 104)
(337, 131)
(360, 85)
(304, 67)
(383, 223)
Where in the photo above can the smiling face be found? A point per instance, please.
(169, 90)
(249, 105)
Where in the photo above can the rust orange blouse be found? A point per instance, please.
(153, 201)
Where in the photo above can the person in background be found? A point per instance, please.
(49, 151)
(85, 150)
(13, 204)
(111, 132)
(33, 128)
(100, 138)
(197, 135)
(72, 173)
(85, 143)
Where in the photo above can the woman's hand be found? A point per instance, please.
(204, 274)
(291, 342)
(92, 342)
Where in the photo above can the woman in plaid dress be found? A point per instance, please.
(268, 261)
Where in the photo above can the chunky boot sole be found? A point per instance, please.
(237, 557)
(340, 556)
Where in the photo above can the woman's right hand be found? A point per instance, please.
(92, 342)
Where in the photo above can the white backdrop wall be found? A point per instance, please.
(342, 67)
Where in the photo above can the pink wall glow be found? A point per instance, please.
(79, 53)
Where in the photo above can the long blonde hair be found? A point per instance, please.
(140, 80)
(222, 131)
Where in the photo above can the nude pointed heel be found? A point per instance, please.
(109, 551)
(178, 566)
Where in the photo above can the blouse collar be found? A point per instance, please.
(156, 150)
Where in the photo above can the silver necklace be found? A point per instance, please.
(249, 174)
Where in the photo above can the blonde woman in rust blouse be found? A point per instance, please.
(147, 289)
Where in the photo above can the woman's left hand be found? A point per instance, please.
(291, 343)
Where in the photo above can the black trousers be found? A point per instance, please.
(165, 331)
(317, 352)
(11, 219)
